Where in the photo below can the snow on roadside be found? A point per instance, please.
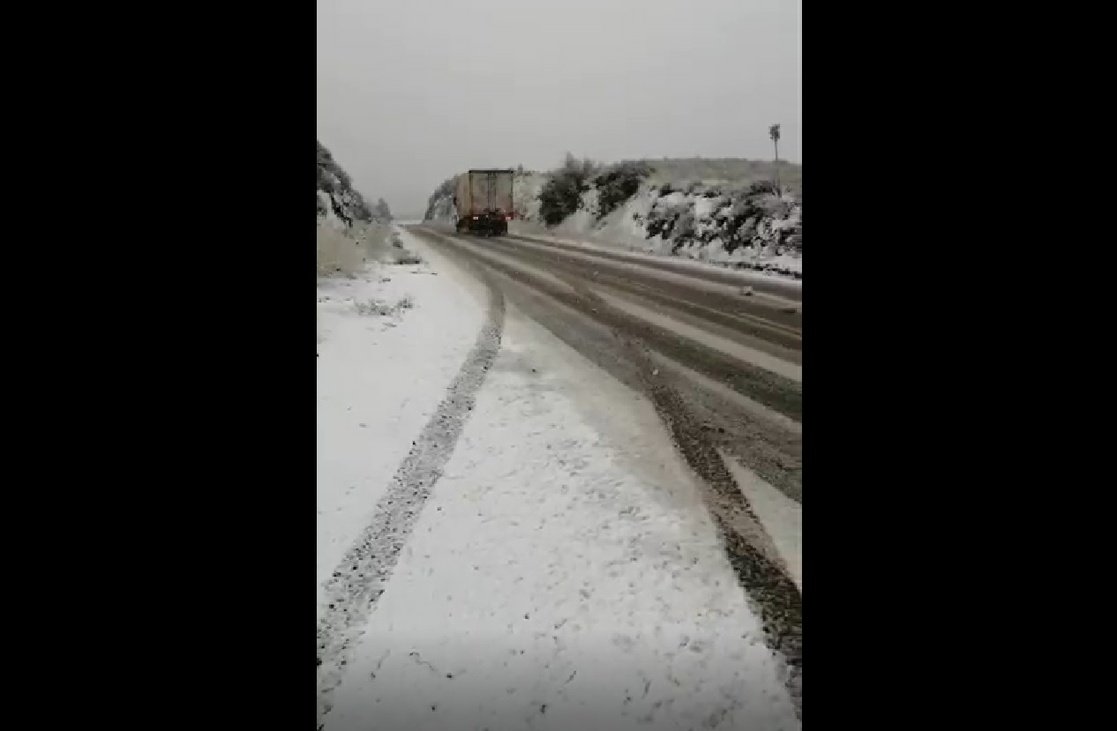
(688, 219)
(563, 574)
(380, 377)
(626, 229)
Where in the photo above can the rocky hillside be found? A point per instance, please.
(725, 211)
(338, 202)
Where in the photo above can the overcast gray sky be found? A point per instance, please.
(411, 92)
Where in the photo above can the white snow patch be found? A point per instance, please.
(758, 257)
(703, 207)
(379, 380)
(563, 574)
(781, 516)
(674, 198)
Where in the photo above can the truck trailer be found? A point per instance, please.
(483, 201)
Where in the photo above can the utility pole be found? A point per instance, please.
(774, 133)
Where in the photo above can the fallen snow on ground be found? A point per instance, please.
(380, 377)
(563, 573)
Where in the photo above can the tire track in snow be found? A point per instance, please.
(751, 552)
(363, 573)
(753, 555)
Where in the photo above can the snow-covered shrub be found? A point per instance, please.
(683, 230)
(339, 196)
(326, 182)
(761, 187)
(441, 201)
(714, 220)
(525, 194)
(617, 184)
(561, 195)
(382, 309)
(382, 211)
(661, 221)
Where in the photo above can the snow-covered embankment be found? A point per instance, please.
(738, 224)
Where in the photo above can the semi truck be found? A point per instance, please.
(483, 201)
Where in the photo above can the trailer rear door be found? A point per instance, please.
(491, 190)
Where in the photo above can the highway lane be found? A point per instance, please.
(722, 368)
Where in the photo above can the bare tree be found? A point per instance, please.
(774, 133)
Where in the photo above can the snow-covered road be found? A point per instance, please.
(554, 566)
(380, 377)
